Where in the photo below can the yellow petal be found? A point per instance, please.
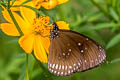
(62, 1)
(9, 29)
(26, 42)
(50, 4)
(0, 26)
(63, 25)
(14, 9)
(28, 14)
(39, 50)
(7, 16)
(24, 26)
(46, 43)
(15, 3)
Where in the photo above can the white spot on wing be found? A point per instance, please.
(86, 38)
(56, 33)
(70, 67)
(50, 65)
(69, 71)
(79, 64)
(81, 51)
(53, 65)
(80, 61)
(57, 66)
(79, 44)
(65, 73)
(74, 64)
(104, 56)
(68, 54)
(62, 66)
(72, 71)
(66, 67)
(63, 54)
(61, 73)
(55, 72)
(100, 47)
(77, 67)
(69, 50)
(52, 71)
(58, 73)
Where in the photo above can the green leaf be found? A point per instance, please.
(105, 25)
(115, 60)
(118, 9)
(36, 72)
(94, 17)
(78, 20)
(114, 3)
(114, 14)
(108, 2)
(100, 7)
(114, 41)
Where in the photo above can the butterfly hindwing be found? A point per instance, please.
(72, 52)
(60, 59)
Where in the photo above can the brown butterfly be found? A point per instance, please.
(72, 52)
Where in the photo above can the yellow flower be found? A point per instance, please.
(47, 4)
(36, 32)
(0, 25)
(17, 2)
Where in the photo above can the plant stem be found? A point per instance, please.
(27, 71)
(15, 22)
(32, 67)
(8, 6)
(20, 31)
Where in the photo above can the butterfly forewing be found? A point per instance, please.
(92, 53)
(72, 52)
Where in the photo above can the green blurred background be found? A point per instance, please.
(98, 19)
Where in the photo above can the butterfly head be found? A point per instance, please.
(55, 27)
(54, 32)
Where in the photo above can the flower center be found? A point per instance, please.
(41, 26)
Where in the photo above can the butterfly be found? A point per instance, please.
(72, 52)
